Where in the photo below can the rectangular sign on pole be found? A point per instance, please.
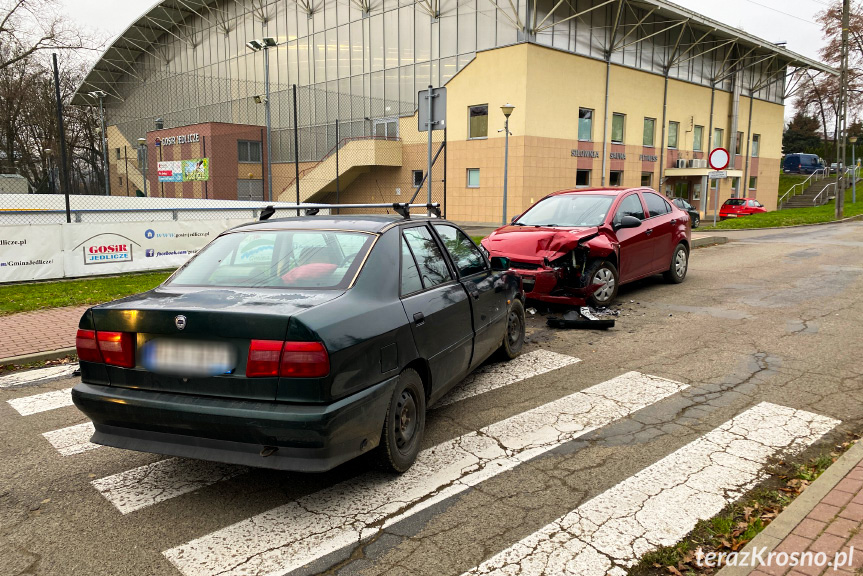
(171, 171)
(717, 175)
(438, 109)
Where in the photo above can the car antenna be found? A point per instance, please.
(267, 213)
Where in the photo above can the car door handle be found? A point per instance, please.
(419, 319)
(649, 231)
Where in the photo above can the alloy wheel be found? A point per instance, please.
(605, 278)
(680, 263)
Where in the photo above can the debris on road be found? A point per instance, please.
(584, 317)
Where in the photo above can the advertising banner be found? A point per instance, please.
(171, 171)
(197, 170)
(30, 253)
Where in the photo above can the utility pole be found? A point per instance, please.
(64, 172)
(843, 113)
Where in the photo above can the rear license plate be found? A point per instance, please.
(180, 358)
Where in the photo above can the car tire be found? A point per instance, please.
(602, 272)
(404, 424)
(513, 337)
(696, 222)
(679, 265)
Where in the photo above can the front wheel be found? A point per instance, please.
(679, 265)
(603, 274)
(696, 222)
(404, 424)
(513, 338)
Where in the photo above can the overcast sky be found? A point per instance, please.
(773, 20)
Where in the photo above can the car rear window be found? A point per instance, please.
(735, 202)
(277, 259)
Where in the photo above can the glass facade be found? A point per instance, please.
(358, 62)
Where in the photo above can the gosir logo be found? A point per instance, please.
(149, 234)
(107, 249)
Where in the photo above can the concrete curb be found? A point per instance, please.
(849, 219)
(779, 529)
(38, 356)
(708, 241)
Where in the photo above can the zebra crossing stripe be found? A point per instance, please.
(609, 533)
(73, 439)
(295, 534)
(30, 376)
(500, 374)
(42, 402)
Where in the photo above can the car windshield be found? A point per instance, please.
(735, 202)
(574, 210)
(277, 258)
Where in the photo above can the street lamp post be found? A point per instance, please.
(143, 160)
(49, 154)
(507, 110)
(853, 140)
(256, 46)
(101, 96)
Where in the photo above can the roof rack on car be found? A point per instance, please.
(402, 208)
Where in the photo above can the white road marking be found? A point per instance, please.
(30, 376)
(500, 374)
(42, 402)
(661, 504)
(147, 485)
(72, 440)
(290, 536)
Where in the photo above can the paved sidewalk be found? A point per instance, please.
(39, 331)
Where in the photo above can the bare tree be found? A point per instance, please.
(31, 26)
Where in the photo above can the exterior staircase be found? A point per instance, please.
(815, 194)
(355, 156)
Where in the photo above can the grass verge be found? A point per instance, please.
(789, 217)
(39, 295)
(738, 523)
(786, 181)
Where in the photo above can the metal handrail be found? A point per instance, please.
(826, 198)
(803, 185)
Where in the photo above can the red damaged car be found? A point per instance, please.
(577, 247)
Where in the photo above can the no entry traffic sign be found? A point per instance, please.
(719, 158)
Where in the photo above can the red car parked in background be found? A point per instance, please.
(577, 247)
(737, 207)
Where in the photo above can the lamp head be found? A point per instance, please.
(507, 109)
(254, 45)
(270, 42)
(97, 94)
(259, 99)
(142, 141)
(852, 139)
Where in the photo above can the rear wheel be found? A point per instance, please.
(513, 338)
(603, 274)
(404, 424)
(696, 221)
(679, 265)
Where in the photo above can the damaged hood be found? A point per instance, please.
(535, 243)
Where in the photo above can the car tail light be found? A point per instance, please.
(264, 358)
(87, 347)
(304, 360)
(117, 348)
(287, 359)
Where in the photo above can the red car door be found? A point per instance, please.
(636, 249)
(661, 221)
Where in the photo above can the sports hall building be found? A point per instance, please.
(606, 92)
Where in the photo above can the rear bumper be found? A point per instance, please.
(308, 438)
(542, 285)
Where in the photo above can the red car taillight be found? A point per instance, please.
(304, 360)
(287, 359)
(86, 346)
(117, 348)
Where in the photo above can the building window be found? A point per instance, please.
(582, 178)
(478, 121)
(121, 180)
(118, 153)
(617, 124)
(714, 184)
(249, 151)
(756, 144)
(649, 131)
(738, 149)
(753, 182)
(647, 179)
(615, 178)
(473, 177)
(417, 178)
(585, 124)
(698, 138)
(735, 187)
(717, 138)
(673, 130)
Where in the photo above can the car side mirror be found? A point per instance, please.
(514, 218)
(628, 222)
(499, 263)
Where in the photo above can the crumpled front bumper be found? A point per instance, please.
(544, 285)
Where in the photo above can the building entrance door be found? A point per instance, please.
(681, 190)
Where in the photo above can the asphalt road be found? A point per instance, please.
(591, 449)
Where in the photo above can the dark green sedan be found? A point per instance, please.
(299, 343)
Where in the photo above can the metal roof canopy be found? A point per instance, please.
(171, 18)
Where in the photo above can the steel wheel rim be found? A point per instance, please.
(697, 221)
(405, 419)
(605, 279)
(513, 329)
(680, 263)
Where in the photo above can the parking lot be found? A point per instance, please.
(587, 451)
